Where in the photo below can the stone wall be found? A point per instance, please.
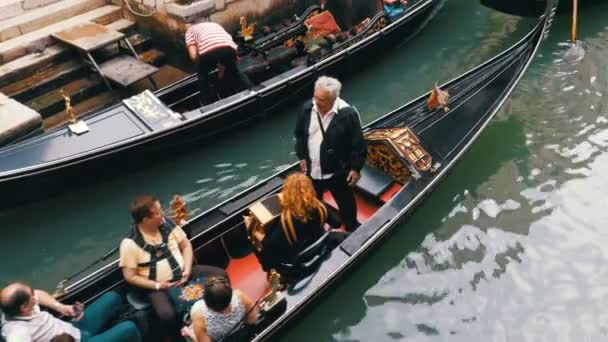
(170, 19)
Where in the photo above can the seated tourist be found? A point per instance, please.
(302, 222)
(24, 321)
(220, 312)
(157, 256)
(349, 13)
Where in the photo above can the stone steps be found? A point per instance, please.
(12, 8)
(52, 76)
(16, 120)
(41, 17)
(29, 64)
(78, 91)
(24, 44)
(77, 80)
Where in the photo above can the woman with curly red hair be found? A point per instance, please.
(302, 222)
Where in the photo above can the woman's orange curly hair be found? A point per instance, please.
(299, 196)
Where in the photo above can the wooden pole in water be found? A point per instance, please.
(574, 17)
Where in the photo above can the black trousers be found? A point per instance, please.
(170, 324)
(211, 88)
(343, 195)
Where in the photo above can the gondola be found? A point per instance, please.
(410, 150)
(532, 8)
(150, 124)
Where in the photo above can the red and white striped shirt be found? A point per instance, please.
(208, 37)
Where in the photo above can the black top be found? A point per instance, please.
(343, 148)
(276, 244)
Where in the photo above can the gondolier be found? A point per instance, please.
(209, 45)
(330, 146)
(157, 255)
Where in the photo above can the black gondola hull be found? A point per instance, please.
(532, 8)
(43, 179)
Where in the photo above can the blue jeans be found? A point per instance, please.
(98, 314)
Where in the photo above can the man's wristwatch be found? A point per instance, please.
(157, 286)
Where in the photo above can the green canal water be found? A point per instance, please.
(511, 247)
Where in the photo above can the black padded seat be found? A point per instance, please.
(281, 54)
(253, 66)
(374, 182)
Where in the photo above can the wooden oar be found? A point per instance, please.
(575, 52)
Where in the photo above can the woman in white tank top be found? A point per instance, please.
(219, 312)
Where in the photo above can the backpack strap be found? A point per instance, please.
(158, 252)
(322, 214)
(288, 228)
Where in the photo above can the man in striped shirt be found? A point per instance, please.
(209, 45)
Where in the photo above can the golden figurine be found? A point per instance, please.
(275, 282)
(68, 107)
(438, 99)
(246, 30)
(180, 214)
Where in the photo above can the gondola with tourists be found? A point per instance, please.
(282, 65)
(410, 150)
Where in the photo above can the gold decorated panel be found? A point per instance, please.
(381, 156)
(405, 144)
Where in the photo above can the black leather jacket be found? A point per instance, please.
(343, 148)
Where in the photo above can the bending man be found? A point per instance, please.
(209, 45)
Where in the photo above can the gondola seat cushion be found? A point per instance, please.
(374, 181)
(298, 61)
(281, 55)
(16, 120)
(253, 65)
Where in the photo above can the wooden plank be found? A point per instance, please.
(126, 70)
(88, 36)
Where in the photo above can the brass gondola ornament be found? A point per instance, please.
(438, 99)
(246, 30)
(180, 214)
(76, 126)
(275, 295)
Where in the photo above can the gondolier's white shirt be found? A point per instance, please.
(315, 137)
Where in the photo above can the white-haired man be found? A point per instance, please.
(330, 146)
